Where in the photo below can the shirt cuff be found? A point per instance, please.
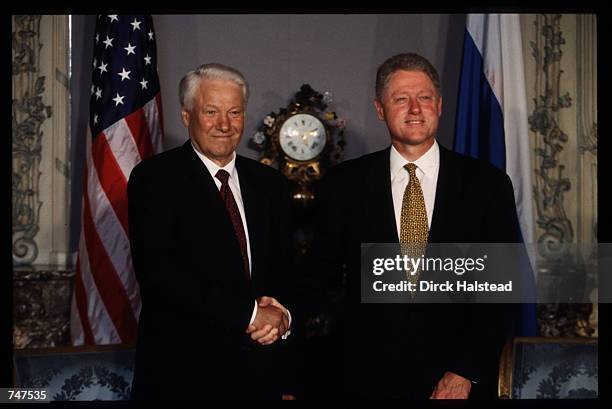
(254, 313)
(288, 332)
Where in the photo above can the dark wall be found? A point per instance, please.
(278, 53)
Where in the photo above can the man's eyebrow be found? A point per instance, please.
(421, 91)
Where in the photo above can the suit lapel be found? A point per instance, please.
(379, 199)
(205, 188)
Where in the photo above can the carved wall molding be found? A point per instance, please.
(40, 139)
(586, 110)
(42, 280)
(586, 47)
(58, 161)
(562, 89)
(551, 181)
(28, 114)
(586, 105)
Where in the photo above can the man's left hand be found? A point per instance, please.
(452, 386)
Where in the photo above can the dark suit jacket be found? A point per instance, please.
(196, 303)
(402, 350)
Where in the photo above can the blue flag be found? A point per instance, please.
(491, 119)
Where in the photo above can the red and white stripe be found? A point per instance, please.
(106, 303)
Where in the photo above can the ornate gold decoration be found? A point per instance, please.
(302, 172)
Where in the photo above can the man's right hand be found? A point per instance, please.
(269, 324)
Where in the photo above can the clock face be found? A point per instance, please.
(302, 137)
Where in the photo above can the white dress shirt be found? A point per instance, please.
(428, 166)
(234, 184)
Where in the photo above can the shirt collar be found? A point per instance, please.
(213, 168)
(428, 162)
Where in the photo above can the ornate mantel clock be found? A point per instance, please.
(303, 139)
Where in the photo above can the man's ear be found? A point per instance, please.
(380, 110)
(185, 117)
(440, 107)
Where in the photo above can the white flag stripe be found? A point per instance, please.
(112, 235)
(102, 325)
(518, 163)
(484, 29)
(123, 146)
(115, 241)
(152, 117)
(76, 327)
(498, 39)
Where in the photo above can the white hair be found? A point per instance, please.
(192, 79)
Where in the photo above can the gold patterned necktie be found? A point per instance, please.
(414, 228)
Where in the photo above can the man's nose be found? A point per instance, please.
(415, 107)
(223, 123)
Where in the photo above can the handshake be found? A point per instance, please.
(271, 321)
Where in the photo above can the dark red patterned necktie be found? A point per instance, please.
(234, 213)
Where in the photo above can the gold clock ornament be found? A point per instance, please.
(303, 140)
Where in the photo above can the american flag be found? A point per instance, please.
(125, 121)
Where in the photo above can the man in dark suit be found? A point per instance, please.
(209, 236)
(415, 190)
